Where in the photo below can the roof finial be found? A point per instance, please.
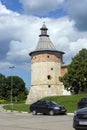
(44, 22)
(44, 26)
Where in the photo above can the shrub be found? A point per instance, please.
(2, 101)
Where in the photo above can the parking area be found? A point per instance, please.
(25, 121)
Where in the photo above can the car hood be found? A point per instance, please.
(82, 110)
(60, 106)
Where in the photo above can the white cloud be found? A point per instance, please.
(66, 37)
(78, 45)
(5, 64)
(17, 52)
(40, 7)
(3, 10)
(77, 10)
(19, 36)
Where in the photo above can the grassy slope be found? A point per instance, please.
(70, 102)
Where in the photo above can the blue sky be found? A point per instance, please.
(20, 23)
(13, 5)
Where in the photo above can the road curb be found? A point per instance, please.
(70, 113)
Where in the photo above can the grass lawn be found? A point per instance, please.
(17, 107)
(70, 102)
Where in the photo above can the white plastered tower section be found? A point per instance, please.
(46, 64)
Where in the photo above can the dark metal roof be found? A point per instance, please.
(41, 51)
(44, 43)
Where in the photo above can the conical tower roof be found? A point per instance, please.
(44, 42)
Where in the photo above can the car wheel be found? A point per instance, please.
(51, 112)
(64, 113)
(34, 112)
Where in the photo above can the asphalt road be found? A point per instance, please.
(25, 121)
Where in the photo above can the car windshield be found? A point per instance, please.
(84, 99)
(52, 103)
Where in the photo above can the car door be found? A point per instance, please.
(44, 107)
(39, 107)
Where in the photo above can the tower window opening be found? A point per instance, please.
(51, 68)
(49, 77)
(49, 86)
(48, 56)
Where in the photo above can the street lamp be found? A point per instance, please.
(11, 67)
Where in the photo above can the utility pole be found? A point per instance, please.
(11, 67)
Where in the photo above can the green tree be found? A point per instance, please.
(75, 79)
(3, 85)
(19, 91)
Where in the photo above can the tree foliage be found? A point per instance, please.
(3, 86)
(75, 79)
(19, 91)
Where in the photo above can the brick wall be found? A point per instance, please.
(46, 57)
(63, 70)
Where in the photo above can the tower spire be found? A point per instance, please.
(44, 30)
(44, 42)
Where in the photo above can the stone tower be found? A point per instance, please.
(46, 64)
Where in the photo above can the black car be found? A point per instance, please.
(47, 107)
(82, 103)
(80, 119)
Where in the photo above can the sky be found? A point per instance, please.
(20, 23)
